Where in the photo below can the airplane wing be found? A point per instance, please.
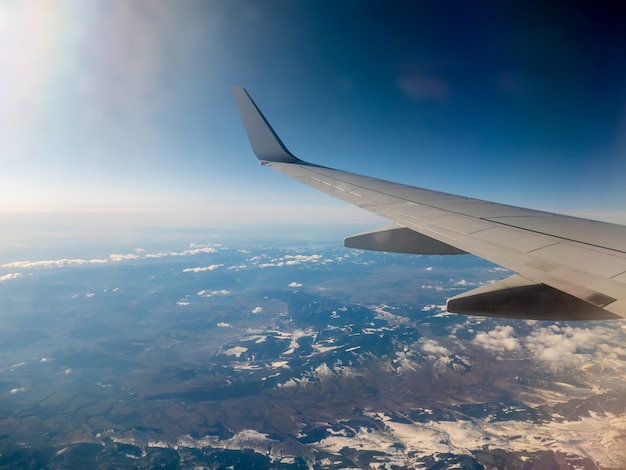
(567, 268)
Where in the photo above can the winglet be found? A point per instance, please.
(266, 145)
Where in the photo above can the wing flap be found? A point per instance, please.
(518, 297)
(398, 239)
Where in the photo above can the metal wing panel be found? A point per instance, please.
(533, 245)
(589, 232)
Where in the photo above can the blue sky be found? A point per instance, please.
(123, 109)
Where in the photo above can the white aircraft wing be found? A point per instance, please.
(567, 268)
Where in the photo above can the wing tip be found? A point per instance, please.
(265, 143)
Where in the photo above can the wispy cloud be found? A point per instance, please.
(213, 267)
(9, 276)
(288, 260)
(140, 253)
(44, 263)
(211, 293)
(117, 257)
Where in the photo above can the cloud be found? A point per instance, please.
(294, 284)
(9, 276)
(43, 264)
(500, 339)
(237, 267)
(223, 324)
(140, 253)
(298, 259)
(191, 252)
(566, 346)
(257, 310)
(213, 267)
(237, 351)
(289, 260)
(211, 293)
(273, 264)
(429, 286)
(559, 346)
(116, 257)
(433, 347)
(17, 390)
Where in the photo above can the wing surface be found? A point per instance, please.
(568, 268)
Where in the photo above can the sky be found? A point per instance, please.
(121, 113)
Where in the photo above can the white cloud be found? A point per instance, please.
(295, 284)
(140, 253)
(289, 260)
(194, 250)
(211, 293)
(500, 339)
(433, 347)
(237, 351)
(237, 267)
(567, 346)
(17, 390)
(429, 286)
(9, 276)
(213, 267)
(298, 259)
(257, 310)
(197, 251)
(560, 345)
(117, 257)
(271, 265)
(224, 324)
(43, 264)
